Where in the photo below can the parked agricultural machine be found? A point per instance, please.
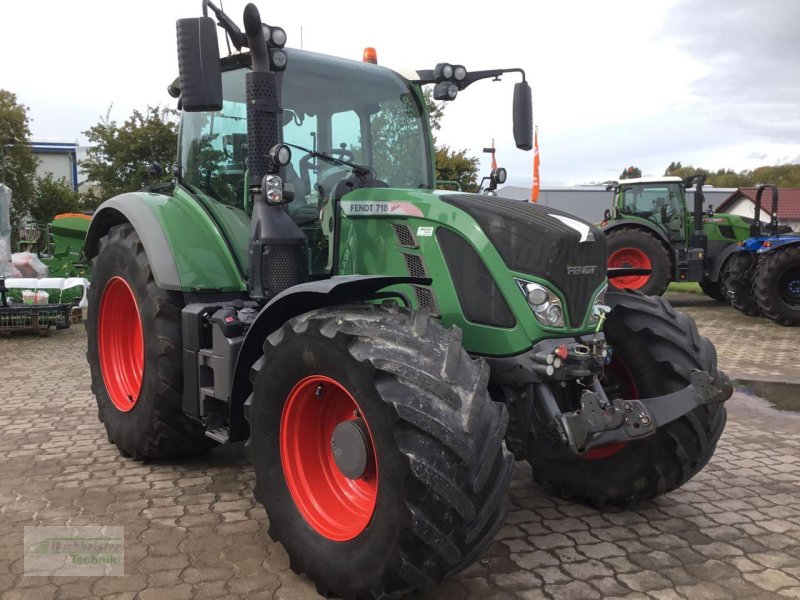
(30, 298)
(379, 345)
(763, 276)
(650, 228)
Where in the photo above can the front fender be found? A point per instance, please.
(290, 303)
(780, 242)
(184, 246)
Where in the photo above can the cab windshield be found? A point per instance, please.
(358, 112)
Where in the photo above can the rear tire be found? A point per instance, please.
(777, 285)
(737, 280)
(439, 495)
(139, 397)
(659, 347)
(632, 247)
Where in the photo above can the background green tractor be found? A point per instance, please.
(379, 345)
(650, 228)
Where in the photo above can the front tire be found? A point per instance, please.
(777, 285)
(429, 489)
(635, 248)
(657, 349)
(134, 353)
(713, 289)
(737, 280)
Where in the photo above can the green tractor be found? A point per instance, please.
(382, 348)
(650, 229)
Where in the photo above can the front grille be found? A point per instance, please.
(404, 235)
(426, 299)
(415, 266)
(532, 240)
(480, 299)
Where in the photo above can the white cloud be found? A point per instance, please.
(613, 83)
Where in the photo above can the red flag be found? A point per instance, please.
(494, 159)
(535, 186)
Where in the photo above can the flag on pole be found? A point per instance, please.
(494, 160)
(535, 186)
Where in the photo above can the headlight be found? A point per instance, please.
(546, 306)
(599, 305)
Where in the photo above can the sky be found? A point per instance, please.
(713, 83)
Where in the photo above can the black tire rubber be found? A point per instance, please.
(442, 466)
(660, 265)
(660, 348)
(713, 289)
(766, 283)
(156, 426)
(737, 278)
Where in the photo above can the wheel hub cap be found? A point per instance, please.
(349, 448)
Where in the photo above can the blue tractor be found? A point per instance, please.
(763, 277)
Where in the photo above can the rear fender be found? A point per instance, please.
(639, 224)
(203, 262)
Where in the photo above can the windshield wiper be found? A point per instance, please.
(360, 170)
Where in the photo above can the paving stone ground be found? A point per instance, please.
(192, 529)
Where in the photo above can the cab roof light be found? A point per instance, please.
(370, 55)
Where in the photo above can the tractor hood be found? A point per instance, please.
(545, 242)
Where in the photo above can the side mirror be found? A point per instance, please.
(523, 116)
(198, 65)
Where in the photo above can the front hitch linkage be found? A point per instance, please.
(599, 421)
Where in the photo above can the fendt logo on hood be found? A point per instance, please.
(581, 269)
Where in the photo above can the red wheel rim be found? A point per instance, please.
(629, 258)
(336, 507)
(120, 344)
(618, 372)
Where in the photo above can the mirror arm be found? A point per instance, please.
(238, 39)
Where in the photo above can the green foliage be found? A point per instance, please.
(630, 173)
(53, 197)
(457, 166)
(787, 176)
(120, 154)
(451, 165)
(18, 166)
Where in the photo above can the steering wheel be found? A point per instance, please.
(306, 162)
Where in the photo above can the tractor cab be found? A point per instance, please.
(348, 125)
(660, 201)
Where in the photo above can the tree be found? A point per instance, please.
(18, 166)
(120, 154)
(787, 176)
(52, 197)
(451, 165)
(630, 173)
(454, 165)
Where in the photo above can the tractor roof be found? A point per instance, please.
(667, 179)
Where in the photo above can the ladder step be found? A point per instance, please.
(218, 435)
